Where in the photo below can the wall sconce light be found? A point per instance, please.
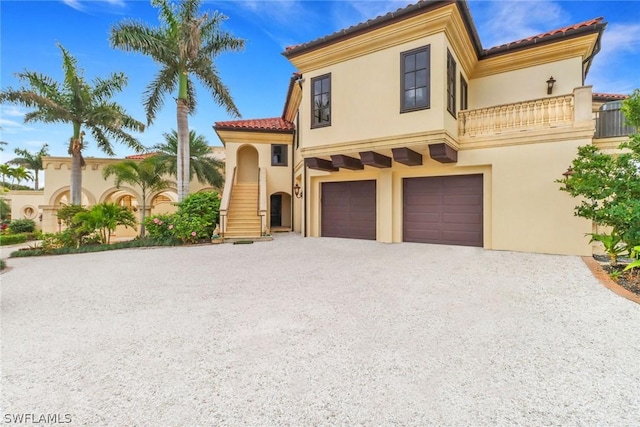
(568, 172)
(550, 84)
(297, 190)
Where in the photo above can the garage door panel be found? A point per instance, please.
(444, 210)
(349, 209)
(417, 218)
(461, 199)
(466, 221)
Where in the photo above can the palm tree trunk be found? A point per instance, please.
(143, 213)
(75, 149)
(183, 139)
(35, 172)
(76, 179)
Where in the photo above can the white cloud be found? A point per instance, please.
(506, 21)
(349, 13)
(620, 39)
(76, 4)
(11, 111)
(619, 43)
(81, 5)
(280, 11)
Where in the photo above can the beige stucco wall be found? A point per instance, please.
(524, 210)
(96, 189)
(278, 178)
(365, 97)
(25, 205)
(525, 84)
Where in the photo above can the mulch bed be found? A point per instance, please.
(630, 280)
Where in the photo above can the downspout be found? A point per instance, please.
(293, 162)
(586, 64)
(304, 196)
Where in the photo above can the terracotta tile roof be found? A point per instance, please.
(413, 9)
(422, 6)
(538, 38)
(141, 156)
(274, 124)
(608, 96)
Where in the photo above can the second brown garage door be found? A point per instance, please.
(445, 210)
(349, 209)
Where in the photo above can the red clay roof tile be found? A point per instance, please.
(141, 156)
(608, 96)
(541, 37)
(270, 124)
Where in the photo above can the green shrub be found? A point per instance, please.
(613, 245)
(205, 207)
(3, 264)
(161, 228)
(51, 241)
(102, 219)
(67, 212)
(138, 243)
(635, 253)
(12, 239)
(22, 226)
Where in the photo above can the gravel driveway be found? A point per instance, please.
(317, 332)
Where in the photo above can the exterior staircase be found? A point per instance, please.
(243, 219)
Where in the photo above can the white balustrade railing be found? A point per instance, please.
(529, 115)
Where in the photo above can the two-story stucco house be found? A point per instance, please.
(404, 128)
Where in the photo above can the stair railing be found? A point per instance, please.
(226, 200)
(262, 199)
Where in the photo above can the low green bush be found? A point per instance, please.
(138, 243)
(22, 226)
(194, 221)
(3, 264)
(12, 239)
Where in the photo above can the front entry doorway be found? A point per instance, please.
(276, 210)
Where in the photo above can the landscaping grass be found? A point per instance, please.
(138, 243)
(13, 239)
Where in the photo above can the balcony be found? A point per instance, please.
(610, 122)
(529, 115)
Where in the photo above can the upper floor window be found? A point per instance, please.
(279, 155)
(414, 70)
(451, 84)
(321, 101)
(464, 94)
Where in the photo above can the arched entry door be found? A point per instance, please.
(280, 209)
(247, 164)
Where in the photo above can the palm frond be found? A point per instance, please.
(164, 82)
(218, 90)
(108, 88)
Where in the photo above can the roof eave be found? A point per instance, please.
(509, 48)
(389, 18)
(258, 130)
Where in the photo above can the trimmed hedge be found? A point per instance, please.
(138, 243)
(13, 239)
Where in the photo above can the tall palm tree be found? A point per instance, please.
(31, 161)
(21, 173)
(147, 175)
(185, 45)
(206, 168)
(78, 103)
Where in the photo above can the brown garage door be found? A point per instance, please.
(349, 209)
(445, 210)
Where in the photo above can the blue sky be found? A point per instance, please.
(258, 77)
